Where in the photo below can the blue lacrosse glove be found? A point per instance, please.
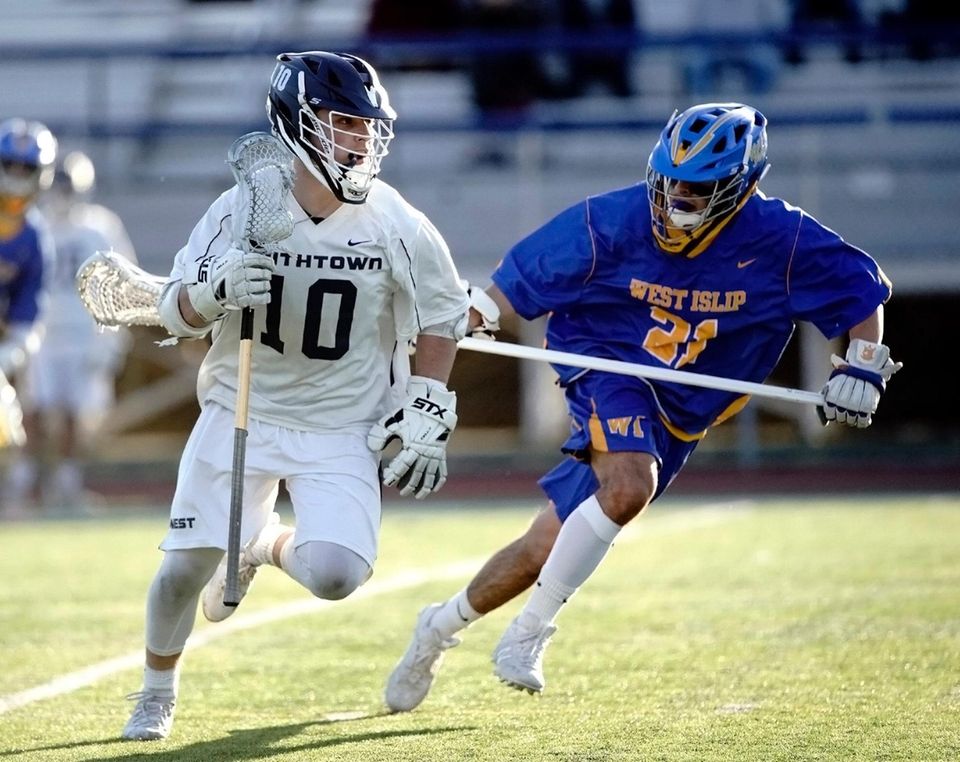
(852, 392)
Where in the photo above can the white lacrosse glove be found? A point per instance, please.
(489, 313)
(423, 425)
(234, 280)
(852, 393)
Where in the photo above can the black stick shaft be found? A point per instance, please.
(231, 593)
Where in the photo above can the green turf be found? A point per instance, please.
(820, 629)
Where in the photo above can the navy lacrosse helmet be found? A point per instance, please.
(27, 153)
(332, 112)
(705, 165)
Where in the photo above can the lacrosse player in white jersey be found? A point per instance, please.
(69, 383)
(362, 274)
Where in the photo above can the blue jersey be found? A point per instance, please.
(23, 260)
(727, 311)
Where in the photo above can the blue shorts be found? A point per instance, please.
(610, 413)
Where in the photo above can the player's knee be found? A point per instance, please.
(333, 585)
(625, 492)
(628, 482)
(183, 573)
(333, 572)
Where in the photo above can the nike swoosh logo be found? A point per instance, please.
(351, 242)
(746, 263)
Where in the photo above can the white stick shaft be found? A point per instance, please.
(641, 371)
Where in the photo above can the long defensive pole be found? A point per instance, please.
(523, 352)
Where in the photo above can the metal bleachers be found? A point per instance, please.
(156, 95)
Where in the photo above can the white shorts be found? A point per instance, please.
(66, 381)
(332, 478)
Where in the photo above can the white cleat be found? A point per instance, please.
(257, 552)
(152, 717)
(518, 657)
(411, 679)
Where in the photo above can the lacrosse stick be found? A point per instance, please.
(263, 169)
(117, 292)
(641, 371)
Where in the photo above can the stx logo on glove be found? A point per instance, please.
(868, 352)
(423, 425)
(429, 407)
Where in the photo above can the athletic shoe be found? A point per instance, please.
(518, 657)
(257, 552)
(152, 717)
(411, 679)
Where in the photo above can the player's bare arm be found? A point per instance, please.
(435, 356)
(190, 315)
(870, 329)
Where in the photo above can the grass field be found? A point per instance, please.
(809, 629)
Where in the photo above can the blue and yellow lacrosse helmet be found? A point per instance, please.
(703, 168)
(27, 152)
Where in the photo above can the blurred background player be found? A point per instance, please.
(68, 384)
(28, 151)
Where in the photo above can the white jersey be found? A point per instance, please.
(348, 293)
(74, 367)
(86, 228)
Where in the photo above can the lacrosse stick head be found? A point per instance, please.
(263, 169)
(117, 292)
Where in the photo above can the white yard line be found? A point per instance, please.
(666, 522)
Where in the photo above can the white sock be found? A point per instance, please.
(161, 682)
(455, 615)
(584, 540)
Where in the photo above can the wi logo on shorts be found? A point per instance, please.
(627, 426)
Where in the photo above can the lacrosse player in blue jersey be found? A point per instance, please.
(27, 154)
(694, 270)
(362, 274)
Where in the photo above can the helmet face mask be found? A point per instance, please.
(330, 110)
(705, 165)
(683, 207)
(27, 154)
(347, 150)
